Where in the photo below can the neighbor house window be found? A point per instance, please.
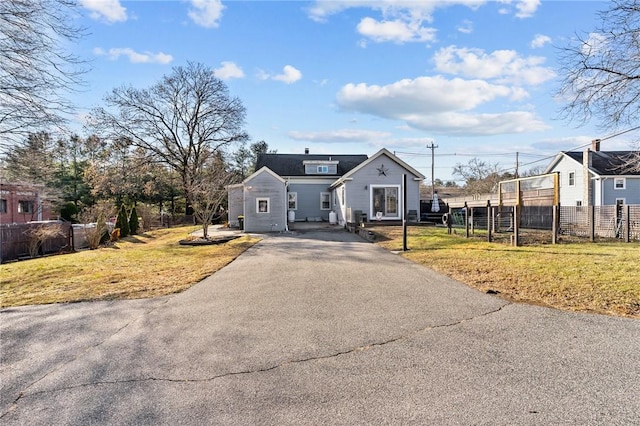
(572, 178)
(619, 183)
(262, 205)
(25, 206)
(325, 201)
(3, 206)
(293, 201)
(323, 169)
(579, 203)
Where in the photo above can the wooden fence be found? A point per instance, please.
(14, 240)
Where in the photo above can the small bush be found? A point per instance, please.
(39, 234)
(115, 235)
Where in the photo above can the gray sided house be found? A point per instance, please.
(310, 187)
(595, 178)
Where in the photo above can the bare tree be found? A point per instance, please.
(35, 71)
(207, 191)
(602, 72)
(480, 177)
(181, 121)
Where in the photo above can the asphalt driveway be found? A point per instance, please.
(317, 328)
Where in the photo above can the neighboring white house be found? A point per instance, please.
(312, 187)
(596, 178)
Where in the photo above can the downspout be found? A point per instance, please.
(286, 205)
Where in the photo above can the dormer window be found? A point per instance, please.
(320, 167)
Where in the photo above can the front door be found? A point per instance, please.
(385, 202)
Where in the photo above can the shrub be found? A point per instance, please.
(97, 214)
(115, 235)
(68, 211)
(39, 234)
(134, 225)
(122, 221)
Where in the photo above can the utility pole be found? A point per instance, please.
(517, 164)
(433, 183)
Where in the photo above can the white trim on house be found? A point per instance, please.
(571, 178)
(292, 196)
(263, 205)
(615, 183)
(264, 169)
(418, 176)
(328, 200)
(385, 214)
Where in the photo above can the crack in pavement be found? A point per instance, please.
(261, 370)
(79, 353)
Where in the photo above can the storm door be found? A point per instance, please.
(385, 203)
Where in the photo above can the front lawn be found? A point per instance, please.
(147, 265)
(601, 277)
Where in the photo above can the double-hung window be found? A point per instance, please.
(325, 201)
(292, 203)
(619, 183)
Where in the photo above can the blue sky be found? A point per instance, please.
(475, 77)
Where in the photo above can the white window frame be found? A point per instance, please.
(571, 177)
(578, 203)
(323, 170)
(30, 209)
(621, 201)
(261, 199)
(295, 200)
(615, 184)
(399, 201)
(328, 200)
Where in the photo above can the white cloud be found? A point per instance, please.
(440, 105)
(594, 44)
(228, 70)
(527, 8)
(524, 8)
(505, 66)
(339, 136)
(134, 57)
(466, 27)
(397, 31)
(289, 75)
(402, 21)
(206, 13)
(539, 41)
(108, 10)
(453, 123)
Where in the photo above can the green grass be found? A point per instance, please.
(147, 265)
(601, 277)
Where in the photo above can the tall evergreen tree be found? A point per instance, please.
(122, 221)
(134, 225)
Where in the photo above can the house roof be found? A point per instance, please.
(604, 163)
(378, 154)
(263, 170)
(292, 164)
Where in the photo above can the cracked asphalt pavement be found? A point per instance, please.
(317, 327)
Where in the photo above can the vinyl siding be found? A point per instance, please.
(264, 185)
(309, 199)
(359, 197)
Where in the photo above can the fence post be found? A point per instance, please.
(592, 223)
(627, 223)
(489, 221)
(466, 219)
(516, 225)
(473, 225)
(554, 225)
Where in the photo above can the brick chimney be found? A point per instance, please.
(587, 162)
(306, 150)
(595, 145)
